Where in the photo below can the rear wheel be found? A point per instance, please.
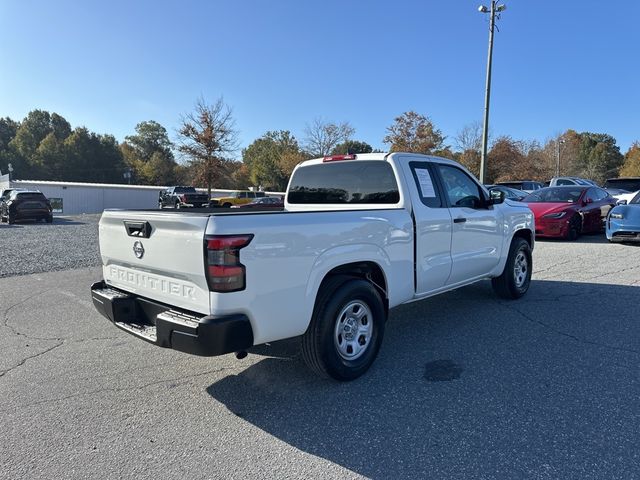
(516, 276)
(346, 329)
(575, 228)
(11, 218)
(227, 205)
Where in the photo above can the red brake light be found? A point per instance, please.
(223, 269)
(336, 158)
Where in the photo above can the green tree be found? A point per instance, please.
(8, 155)
(148, 154)
(91, 157)
(150, 138)
(412, 132)
(351, 146)
(271, 159)
(207, 137)
(631, 167)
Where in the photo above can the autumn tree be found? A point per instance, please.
(631, 166)
(323, 137)
(412, 132)
(505, 161)
(207, 137)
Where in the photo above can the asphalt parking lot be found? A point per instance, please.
(466, 385)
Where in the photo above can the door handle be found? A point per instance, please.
(459, 220)
(138, 229)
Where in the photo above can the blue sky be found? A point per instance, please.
(280, 64)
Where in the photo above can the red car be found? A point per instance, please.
(568, 211)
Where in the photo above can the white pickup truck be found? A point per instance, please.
(359, 235)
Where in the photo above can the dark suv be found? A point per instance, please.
(24, 205)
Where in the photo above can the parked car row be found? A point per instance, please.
(566, 207)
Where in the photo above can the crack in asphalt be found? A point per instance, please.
(24, 360)
(180, 381)
(15, 330)
(568, 335)
(633, 267)
(60, 340)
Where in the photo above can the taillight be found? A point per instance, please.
(336, 158)
(224, 271)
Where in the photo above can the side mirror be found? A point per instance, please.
(621, 202)
(496, 197)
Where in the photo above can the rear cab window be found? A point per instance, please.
(423, 176)
(344, 182)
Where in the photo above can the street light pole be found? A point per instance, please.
(559, 142)
(487, 96)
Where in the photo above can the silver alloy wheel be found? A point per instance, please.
(353, 330)
(520, 269)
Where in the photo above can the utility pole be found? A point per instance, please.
(493, 10)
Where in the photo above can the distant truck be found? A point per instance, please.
(180, 197)
(238, 198)
(359, 235)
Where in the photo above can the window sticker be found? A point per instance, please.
(426, 184)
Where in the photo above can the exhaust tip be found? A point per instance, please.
(241, 354)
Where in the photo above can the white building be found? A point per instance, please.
(72, 198)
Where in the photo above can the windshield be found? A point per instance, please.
(554, 195)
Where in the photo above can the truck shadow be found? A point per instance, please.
(463, 380)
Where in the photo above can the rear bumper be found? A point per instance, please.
(166, 327)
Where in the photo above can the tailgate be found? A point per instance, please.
(156, 255)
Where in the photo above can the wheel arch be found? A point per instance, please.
(526, 234)
(366, 270)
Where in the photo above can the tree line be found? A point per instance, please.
(43, 146)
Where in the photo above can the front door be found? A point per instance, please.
(477, 237)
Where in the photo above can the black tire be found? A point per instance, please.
(514, 282)
(49, 219)
(227, 205)
(575, 228)
(11, 219)
(321, 348)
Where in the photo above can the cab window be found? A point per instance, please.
(460, 188)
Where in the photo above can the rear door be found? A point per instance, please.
(433, 227)
(156, 255)
(477, 236)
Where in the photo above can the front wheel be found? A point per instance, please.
(346, 329)
(516, 276)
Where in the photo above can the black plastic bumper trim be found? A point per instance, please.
(168, 327)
